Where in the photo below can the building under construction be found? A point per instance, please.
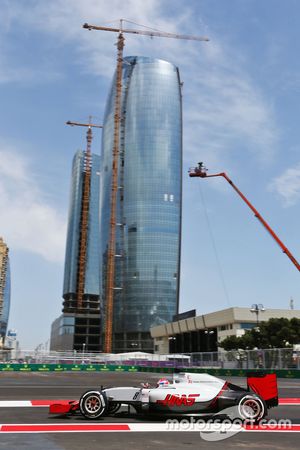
(4, 289)
(79, 327)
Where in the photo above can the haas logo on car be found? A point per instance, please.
(178, 400)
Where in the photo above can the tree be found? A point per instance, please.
(231, 343)
(274, 333)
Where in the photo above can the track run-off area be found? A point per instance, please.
(26, 424)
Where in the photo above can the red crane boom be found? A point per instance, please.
(201, 172)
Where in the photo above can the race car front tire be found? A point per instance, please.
(93, 404)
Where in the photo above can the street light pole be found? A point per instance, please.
(256, 308)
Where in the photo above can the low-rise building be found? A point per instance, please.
(203, 333)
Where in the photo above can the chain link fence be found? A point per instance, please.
(277, 358)
(282, 358)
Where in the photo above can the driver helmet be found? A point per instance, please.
(163, 382)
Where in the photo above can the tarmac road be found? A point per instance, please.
(30, 386)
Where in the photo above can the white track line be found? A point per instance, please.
(15, 403)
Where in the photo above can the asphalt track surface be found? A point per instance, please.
(40, 386)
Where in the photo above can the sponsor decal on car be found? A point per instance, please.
(178, 400)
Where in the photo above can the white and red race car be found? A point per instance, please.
(187, 394)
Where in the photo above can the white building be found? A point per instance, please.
(203, 333)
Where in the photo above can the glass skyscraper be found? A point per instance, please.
(79, 327)
(148, 231)
(4, 289)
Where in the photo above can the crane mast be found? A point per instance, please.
(109, 298)
(85, 208)
(201, 172)
(110, 276)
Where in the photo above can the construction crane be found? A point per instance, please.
(109, 291)
(201, 172)
(85, 207)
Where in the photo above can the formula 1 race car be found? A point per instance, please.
(187, 394)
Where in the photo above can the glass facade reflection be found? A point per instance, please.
(149, 199)
(92, 269)
(4, 288)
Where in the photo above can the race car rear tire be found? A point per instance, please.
(93, 404)
(251, 408)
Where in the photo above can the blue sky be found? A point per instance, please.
(240, 115)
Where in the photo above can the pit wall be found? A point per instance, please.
(292, 373)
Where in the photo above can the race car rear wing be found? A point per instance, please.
(265, 385)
